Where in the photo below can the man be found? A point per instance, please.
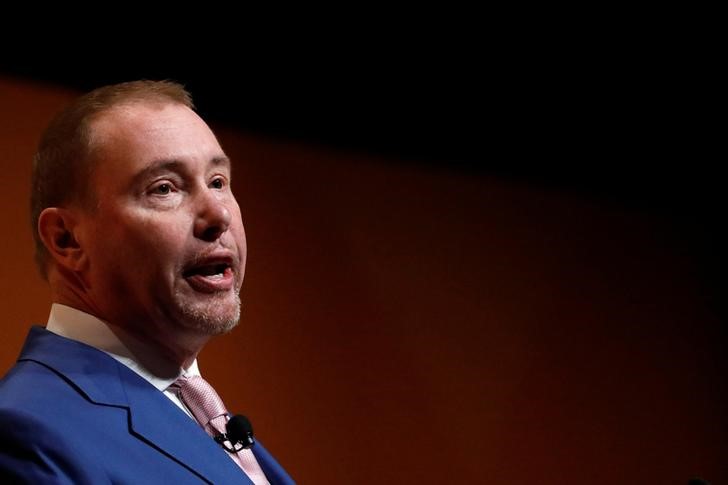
(141, 241)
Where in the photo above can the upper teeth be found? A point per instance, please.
(217, 269)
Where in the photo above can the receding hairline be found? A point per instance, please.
(122, 107)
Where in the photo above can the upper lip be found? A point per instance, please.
(225, 258)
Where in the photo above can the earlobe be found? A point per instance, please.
(57, 229)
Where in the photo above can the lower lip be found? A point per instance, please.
(208, 284)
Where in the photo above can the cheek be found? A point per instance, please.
(236, 224)
(146, 244)
(238, 231)
(160, 245)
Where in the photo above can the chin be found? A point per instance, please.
(210, 317)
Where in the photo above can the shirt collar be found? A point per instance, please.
(138, 356)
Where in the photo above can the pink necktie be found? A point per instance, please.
(207, 408)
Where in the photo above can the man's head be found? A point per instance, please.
(136, 221)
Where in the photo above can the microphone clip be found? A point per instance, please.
(238, 434)
(233, 447)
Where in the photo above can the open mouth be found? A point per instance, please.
(213, 271)
(210, 277)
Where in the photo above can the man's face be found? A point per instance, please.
(165, 240)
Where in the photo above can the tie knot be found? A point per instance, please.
(202, 401)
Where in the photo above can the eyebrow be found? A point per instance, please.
(173, 165)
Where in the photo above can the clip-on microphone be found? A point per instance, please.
(239, 432)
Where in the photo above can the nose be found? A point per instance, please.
(212, 216)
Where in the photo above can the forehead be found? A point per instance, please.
(129, 137)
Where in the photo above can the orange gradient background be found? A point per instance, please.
(408, 324)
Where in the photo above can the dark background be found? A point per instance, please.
(622, 122)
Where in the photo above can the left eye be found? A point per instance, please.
(163, 189)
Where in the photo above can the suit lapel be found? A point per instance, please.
(154, 418)
(93, 373)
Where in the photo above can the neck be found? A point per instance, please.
(160, 346)
(162, 361)
(174, 347)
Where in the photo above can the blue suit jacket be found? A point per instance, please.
(69, 413)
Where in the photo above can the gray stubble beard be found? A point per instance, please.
(205, 318)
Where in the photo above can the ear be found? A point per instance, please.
(57, 229)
